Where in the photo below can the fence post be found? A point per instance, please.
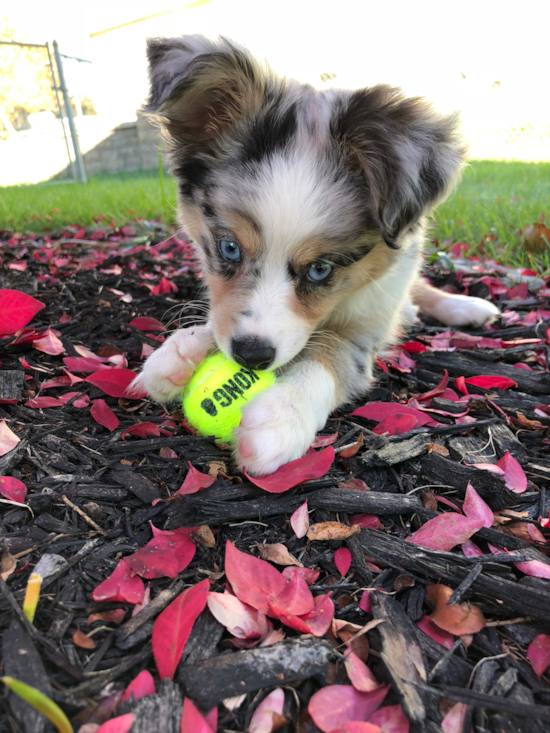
(60, 111)
(68, 109)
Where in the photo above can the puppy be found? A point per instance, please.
(307, 209)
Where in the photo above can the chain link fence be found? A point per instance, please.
(37, 114)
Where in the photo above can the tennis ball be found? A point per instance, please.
(219, 389)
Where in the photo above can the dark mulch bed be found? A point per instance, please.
(68, 461)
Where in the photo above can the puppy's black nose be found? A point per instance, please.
(253, 352)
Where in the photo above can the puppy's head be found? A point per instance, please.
(295, 198)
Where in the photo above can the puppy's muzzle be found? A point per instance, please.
(253, 352)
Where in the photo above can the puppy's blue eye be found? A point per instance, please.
(230, 250)
(319, 271)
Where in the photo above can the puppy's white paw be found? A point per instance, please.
(276, 427)
(464, 310)
(171, 366)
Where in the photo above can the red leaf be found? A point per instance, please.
(8, 439)
(317, 622)
(102, 414)
(434, 632)
(113, 382)
(142, 429)
(321, 441)
(460, 384)
(475, 508)
(120, 586)
(445, 531)
(165, 556)
(378, 411)
(364, 520)
(295, 599)
(239, 619)
(439, 389)
(173, 626)
(294, 473)
(299, 521)
(359, 674)
(39, 403)
(453, 722)
(121, 724)
(49, 344)
(391, 719)
(538, 654)
(191, 720)
(140, 686)
(396, 424)
(267, 712)
(16, 310)
(164, 287)
(309, 575)
(356, 726)
(342, 560)
(145, 323)
(13, 489)
(253, 580)
(486, 381)
(514, 475)
(335, 705)
(365, 604)
(195, 481)
(84, 364)
(413, 347)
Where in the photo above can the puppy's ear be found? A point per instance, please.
(200, 87)
(409, 155)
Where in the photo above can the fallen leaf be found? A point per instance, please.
(12, 488)
(321, 441)
(445, 531)
(538, 653)
(114, 382)
(103, 415)
(331, 531)
(354, 483)
(17, 309)
(391, 719)
(359, 674)
(140, 686)
(120, 724)
(437, 390)
(83, 641)
(195, 481)
(120, 586)
(7, 564)
(166, 555)
(356, 726)
(378, 411)
(142, 429)
(439, 449)
(145, 323)
(41, 403)
(514, 475)
(317, 622)
(291, 474)
(278, 553)
(453, 722)
(333, 706)
(253, 580)
(536, 237)
(84, 364)
(434, 632)
(115, 616)
(191, 720)
(164, 287)
(8, 439)
(486, 381)
(396, 424)
(49, 344)
(240, 619)
(352, 450)
(173, 626)
(299, 521)
(267, 712)
(205, 535)
(342, 560)
(308, 574)
(295, 599)
(475, 508)
(368, 521)
(458, 619)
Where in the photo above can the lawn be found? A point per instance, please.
(494, 201)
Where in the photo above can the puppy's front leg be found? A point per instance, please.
(171, 366)
(280, 424)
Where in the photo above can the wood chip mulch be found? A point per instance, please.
(90, 504)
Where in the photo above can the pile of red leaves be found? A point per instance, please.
(162, 564)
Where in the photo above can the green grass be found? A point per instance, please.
(494, 198)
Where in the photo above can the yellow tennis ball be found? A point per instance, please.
(214, 398)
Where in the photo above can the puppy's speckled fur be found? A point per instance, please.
(296, 176)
